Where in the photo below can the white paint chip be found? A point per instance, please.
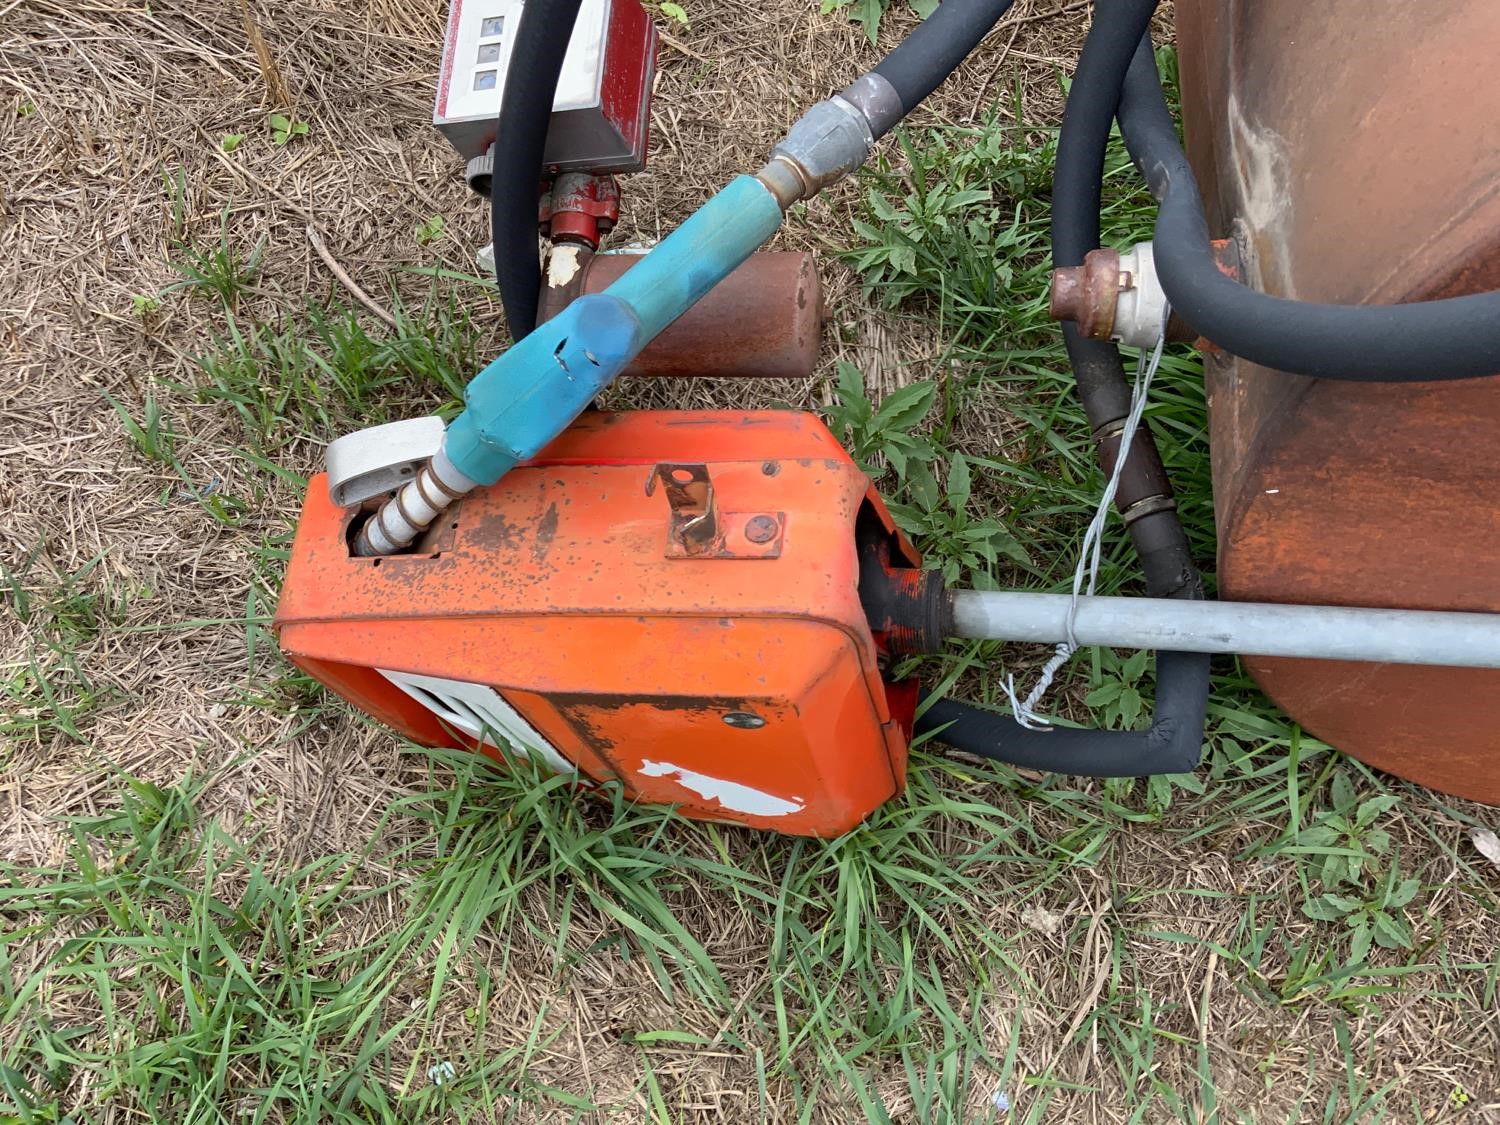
(1042, 920)
(1487, 844)
(731, 795)
(563, 265)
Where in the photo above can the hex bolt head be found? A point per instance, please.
(760, 529)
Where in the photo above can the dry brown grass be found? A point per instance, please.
(101, 104)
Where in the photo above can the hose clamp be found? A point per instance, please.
(828, 142)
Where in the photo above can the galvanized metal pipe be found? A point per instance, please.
(1317, 632)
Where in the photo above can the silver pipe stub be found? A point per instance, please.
(1315, 632)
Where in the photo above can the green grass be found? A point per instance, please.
(868, 13)
(179, 966)
(218, 269)
(325, 372)
(208, 1003)
(49, 693)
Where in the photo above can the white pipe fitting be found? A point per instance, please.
(1141, 306)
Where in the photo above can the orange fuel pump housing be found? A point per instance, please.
(667, 600)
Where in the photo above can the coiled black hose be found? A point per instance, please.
(935, 47)
(1078, 177)
(1078, 181)
(536, 60)
(1424, 341)
(1173, 744)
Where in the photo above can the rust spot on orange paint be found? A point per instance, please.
(546, 531)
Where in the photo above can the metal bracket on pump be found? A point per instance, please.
(698, 530)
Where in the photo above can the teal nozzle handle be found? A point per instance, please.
(534, 391)
(524, 399)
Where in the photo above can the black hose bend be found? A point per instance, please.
(935, 47)
(1424, 341)
(1078, 178)
(536, 60)
(1174, 741)
(1078, 181)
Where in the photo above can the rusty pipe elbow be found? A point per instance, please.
(1087, 294)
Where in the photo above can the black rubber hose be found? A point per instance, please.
(1424, 341)
(536, 60)
(1173, 744)
(1088, 116)
(1078, 182)
(1118, 29)
(933, 50)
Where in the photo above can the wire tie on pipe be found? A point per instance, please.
(1086, 573)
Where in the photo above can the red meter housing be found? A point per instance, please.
(600, 112)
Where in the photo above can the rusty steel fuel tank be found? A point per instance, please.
(1354, 147)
